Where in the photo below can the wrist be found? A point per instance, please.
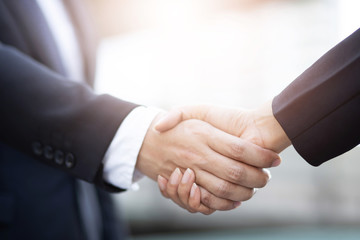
(273, 135)
(149, 158)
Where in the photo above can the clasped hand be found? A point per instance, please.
(218, 156)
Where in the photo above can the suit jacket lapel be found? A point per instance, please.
(36, 33)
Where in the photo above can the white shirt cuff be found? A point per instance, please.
(120, 158)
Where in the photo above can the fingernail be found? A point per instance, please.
(175, 177)
(193, 189)
(276, 163)
(268, 173)
(237, 204)
(255, 191)
(161, 183)
(158, 123)
(186, 176)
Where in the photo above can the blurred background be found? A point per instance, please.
(237, 53)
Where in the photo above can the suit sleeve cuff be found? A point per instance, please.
(120, 158)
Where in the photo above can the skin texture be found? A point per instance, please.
(257, 126)
(184, 191)
(219, 161)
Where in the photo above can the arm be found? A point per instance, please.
(318, 113)
(48, 117)
(320, 110)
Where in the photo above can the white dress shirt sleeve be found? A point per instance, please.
(120, 158)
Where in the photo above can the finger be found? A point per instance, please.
(189, 194)
(223, 189)
(185, 186)
(213, 202)
(172, 186)
(162, 183)
(169, 121)
(173, 183)
(242, 150)
(195, 201)
(234, 171)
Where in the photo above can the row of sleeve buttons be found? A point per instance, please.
(58, 156)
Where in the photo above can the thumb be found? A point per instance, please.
(169, 121)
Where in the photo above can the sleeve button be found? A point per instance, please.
(70, 160)
(59, 157)
(37, 148)
(48, 152)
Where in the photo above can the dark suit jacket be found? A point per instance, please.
(51, 129)
(320, 110)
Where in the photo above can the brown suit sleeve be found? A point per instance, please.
(320, 110)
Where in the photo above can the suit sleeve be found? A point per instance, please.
(320, 110)
(59, 122)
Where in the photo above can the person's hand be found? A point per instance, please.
(182, 189)
(257, 126)
(219, 160)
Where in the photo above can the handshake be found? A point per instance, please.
(219, 154)
(207, 158)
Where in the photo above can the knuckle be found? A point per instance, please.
(237, 148)
(214, 203)
(248, 194)
(198, 128)
(267, 158)
(188, 155)
(208, 212)
(182, 196)
(223, 189)
(237, 173)
(164, 194)
(190, 210)
(192, 206)
(255, 140)
(263, 180)
(192, 126)
(226, 205)
(206, 199)
(172, 193)
(173, 197)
